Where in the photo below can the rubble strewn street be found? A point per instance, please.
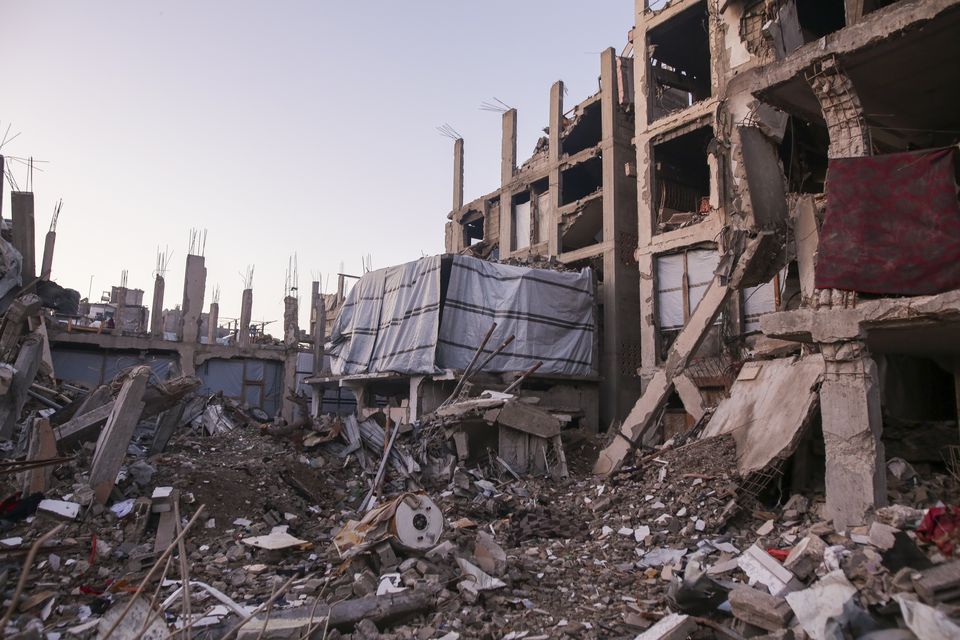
(678, 537)
(691, 370)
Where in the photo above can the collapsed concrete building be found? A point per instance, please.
(735, 269)
(90, 342)
(713, 185)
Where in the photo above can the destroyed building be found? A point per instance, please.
(689, 371)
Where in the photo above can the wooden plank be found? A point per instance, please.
(115, 437)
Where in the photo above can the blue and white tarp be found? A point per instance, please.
(397, 320)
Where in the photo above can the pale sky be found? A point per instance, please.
(281, 127)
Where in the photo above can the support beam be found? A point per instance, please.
(554, 153)
(319, 333)
(80, 427)
(246, 309)
(213, 321)
(856, 479)
(194, 284)
(458, 174)
(508, 147)
(621, 277)
(24, 234)
(115, 437)
(121, 306)
(49, 243)
(690, 396)
(291, 341)
(156, 311)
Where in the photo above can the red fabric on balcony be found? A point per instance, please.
(892, 224)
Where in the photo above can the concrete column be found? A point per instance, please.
(319, 333)
(554, 152)
(156, 311)
(47, 265)
(121, 305)
(856, 477)
(213, 320)
(291, 340)
(246, 308)
(291, 328)
(508, 164)
(24, 234)
(458, 174)
(621, 279)
(508, 147)
(194, 284)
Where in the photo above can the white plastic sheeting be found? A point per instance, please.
(699, 265)
(521, 225)
(391, 321)
(760, 300)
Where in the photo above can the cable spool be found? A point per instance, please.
(417, 523)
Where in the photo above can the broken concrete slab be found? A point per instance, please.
(931, 584)
(489, 555)
(768, 410)
(806, 556)
(524, 417)
(675, 626)
(759, 608)
(763, 568)
(83, 426)
(115, 437)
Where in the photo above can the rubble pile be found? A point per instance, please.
(117, 497)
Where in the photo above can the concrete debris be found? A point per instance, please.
(760, 609)
(711, 447)
(762, 568)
